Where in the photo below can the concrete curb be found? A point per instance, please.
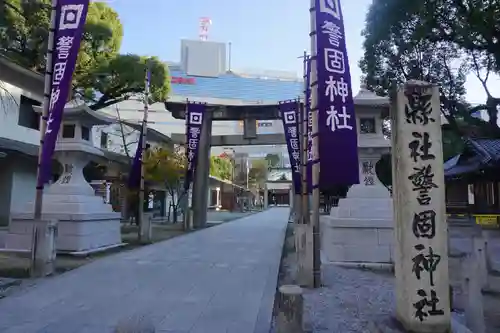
(265, 314)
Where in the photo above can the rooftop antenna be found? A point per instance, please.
(205, 23)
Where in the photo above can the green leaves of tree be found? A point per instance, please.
(102, 76)
(439, 42)
(221, 168)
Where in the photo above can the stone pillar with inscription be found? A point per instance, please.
(421, 237)
(86, 223)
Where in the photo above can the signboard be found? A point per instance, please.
(487, 220)
(182, 80)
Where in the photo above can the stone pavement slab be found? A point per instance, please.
(218, 280)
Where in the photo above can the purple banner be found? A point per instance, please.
(70, 21)
(289, 112)
(308, 117)
(134, 176)
(338, 146)
(194, 122)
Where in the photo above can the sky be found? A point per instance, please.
(264, 34)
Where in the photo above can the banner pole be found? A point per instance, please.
(38, 205)
(299, 213)
(45, 109)
(186, 188)
(140, 217)
(305, 140)
(315, 148)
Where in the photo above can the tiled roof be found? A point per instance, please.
(488, 149)
(485, 153)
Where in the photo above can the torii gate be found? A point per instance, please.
(249, 114)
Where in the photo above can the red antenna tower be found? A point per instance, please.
(205, 23)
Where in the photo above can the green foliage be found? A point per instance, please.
(221, 168)
(439, 42)
(383, 170)
(272, 160)
(165, 166)
(102, 76)
(257, 175)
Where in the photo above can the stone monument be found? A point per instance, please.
(86, 223)
(360, 229)
(421, 233)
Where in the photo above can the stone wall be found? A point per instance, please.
(369, 241)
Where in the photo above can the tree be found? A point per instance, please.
(434, 41)
(439, 42)
(127, 137)
(257, 174)
(7, 100)
(221, 168)
(272, 160)
(471, 24)
(383, 171)
(167, 166)
(102, 76)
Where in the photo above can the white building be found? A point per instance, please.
(20, 91)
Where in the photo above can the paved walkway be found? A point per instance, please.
(218, 280)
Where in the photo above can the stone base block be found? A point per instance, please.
(365, 202)
(72, 235)
(354, 240)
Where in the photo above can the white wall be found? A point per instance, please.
(23, 185)
(5, 191)
(9, 115)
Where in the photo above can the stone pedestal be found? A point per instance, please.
(360, 229)
(43, 248)
(86, 223)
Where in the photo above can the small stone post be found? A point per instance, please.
(43, 248)
(421, 235)
(146, 228)
(472, 295)
(479, 251)
(290, 310)
(304, 247)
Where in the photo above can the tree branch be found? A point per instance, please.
(477, 73)
(105, 103)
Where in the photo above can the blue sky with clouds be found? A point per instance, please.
(264, 34)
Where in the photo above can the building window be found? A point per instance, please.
(68, 131)
(28, 117)
(367, 125)
(104, 140)
(85, 133)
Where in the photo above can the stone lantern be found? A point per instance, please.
(86, 223)
(359, 229)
